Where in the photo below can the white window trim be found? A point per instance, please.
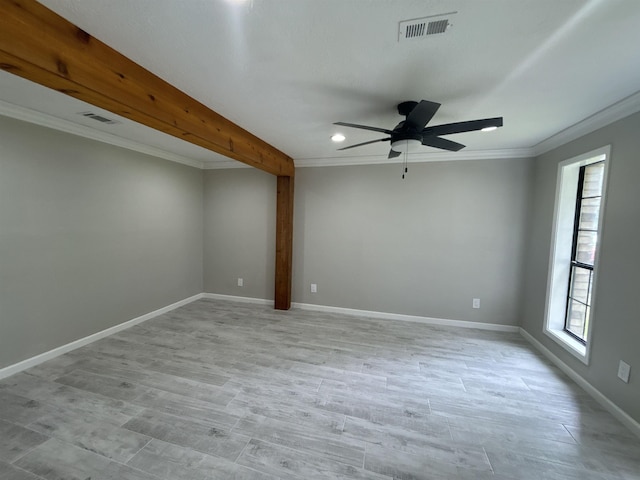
(561, 240)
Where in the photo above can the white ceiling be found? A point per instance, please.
(287, 69)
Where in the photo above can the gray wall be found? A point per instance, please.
(239, 232)
(90, 236)
(426, 245)
(422, 246)
(616, 317)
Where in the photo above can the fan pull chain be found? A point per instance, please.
(405, 164)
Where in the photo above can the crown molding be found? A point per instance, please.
(225, 164)
(45, 120)
(604, 117)
(416, 158)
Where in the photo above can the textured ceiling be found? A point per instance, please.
(287, 69)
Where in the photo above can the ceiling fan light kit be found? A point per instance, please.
(408, 145)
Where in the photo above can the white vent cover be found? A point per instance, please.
(99, 118)
(424, 27)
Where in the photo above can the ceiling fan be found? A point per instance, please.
(413, 132)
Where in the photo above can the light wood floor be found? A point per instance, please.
(218, 390)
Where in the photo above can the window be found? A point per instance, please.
(580, 198)
(583, 249)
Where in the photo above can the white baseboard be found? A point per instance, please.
(371, 314)
(407, 318)
(234, 298)
(43, 357)
(597, 395)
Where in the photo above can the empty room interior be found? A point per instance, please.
(318, 239)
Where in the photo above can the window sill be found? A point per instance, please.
(569, 343)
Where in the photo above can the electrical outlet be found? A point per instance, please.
(624, 370)
(240, 282)
(314, 288)
(476, 303)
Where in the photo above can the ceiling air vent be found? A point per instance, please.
(99, 118)
(425, 26)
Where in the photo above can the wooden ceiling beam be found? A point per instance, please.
(41, 46)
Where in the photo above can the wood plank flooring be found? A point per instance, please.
(223, 390)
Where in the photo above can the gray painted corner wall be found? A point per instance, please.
(91, 236)
(616, 317)
(422, 246)
(239, 232)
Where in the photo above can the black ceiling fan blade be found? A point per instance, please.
(460, 127)
(421, 114)
(364, 127)
(365, 143)
(442, 143)
(394, 154)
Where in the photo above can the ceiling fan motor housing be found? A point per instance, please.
(397, 136)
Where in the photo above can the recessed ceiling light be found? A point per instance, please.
(489, 129)
(338, 137)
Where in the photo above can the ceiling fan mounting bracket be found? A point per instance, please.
(405, 108)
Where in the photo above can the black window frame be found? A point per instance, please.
(574, 264)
